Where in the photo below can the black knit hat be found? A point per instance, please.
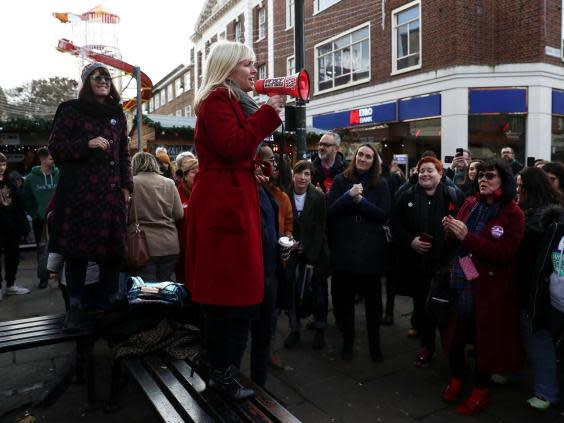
(89, 69)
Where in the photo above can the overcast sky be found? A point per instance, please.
(152, 34)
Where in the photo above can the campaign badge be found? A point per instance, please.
(497, 231)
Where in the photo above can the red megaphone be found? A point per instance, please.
(296, 85)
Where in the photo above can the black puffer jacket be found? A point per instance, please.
(536, 287)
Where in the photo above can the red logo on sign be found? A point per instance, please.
(354, 118)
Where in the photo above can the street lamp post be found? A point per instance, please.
(300, 64)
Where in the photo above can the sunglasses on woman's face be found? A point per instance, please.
(488, 175)
(102, 78)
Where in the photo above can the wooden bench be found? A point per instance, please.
(37, 331)
(48, 330)
(177, 396)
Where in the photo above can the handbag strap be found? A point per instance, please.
(137, 228)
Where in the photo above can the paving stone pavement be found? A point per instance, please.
(317, 386)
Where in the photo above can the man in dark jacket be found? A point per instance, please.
(329, 162)
(39, 186)
(312, 257)
(13, 225)
(508, 155)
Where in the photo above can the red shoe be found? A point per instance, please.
(423, 359)
(476, 403)
(452, 391)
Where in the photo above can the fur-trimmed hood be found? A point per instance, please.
(552, 214)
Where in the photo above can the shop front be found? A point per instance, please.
(557, 133)
(406, 127)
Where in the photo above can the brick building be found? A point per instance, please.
(412, 75)
(174, 94)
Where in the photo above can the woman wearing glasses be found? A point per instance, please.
(89, 144)
(487, 232)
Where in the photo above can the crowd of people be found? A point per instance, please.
(250, 235)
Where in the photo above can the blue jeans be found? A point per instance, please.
(541, 353)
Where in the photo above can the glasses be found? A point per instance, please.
(100, 78)
(326, 144)
(488, 175)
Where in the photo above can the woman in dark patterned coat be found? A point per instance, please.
(89, 144)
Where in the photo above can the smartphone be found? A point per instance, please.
(449, 159)
(530, 162)
(459, 152)
(426, 237)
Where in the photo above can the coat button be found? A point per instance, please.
(112, 163)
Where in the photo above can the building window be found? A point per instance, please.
(261, 23)
(163, 98)
(188, 111)
(157, 100)
(169, 95)
(179, 112)
(144, 108)
(262, 72)
(488, 133)
(238, 32)
(187, 81)
(151, 105)
(406, 37)
(324, 4)
(222, 36)
(343, 60)
(178, 89)
(191, 56)
(290, 14)
(290, 65)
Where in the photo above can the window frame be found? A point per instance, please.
(188, 111)
(151, 104)
(163, 97)
(261, 11)
(317, 10)
(187, 81)
(262, 69)
(169, 93)
(238, 28)
(288, 68)
(316, 89)
(395, 12)
(178, 87)
(157, 100)
(290, 14)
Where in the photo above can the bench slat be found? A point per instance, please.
(32, 320)
(246, 409)
(26, 329)
(38, 340)
(276, 411)
(177, 392)
(153, 392)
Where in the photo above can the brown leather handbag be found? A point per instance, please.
(137, 254)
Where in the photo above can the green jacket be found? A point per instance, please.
(38, 189)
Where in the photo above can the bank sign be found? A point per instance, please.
(411, 108)
(381, 113)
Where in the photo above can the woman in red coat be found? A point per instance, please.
(490, 227)
(224, 254)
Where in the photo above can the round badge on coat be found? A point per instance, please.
(410, 204)
(497, 231)
(113, 121)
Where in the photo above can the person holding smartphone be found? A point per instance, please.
(459, 167)
(418, 233)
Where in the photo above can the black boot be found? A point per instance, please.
(227, 385)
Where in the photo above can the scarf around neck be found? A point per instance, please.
(245, 100)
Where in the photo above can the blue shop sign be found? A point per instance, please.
(502, 100)
(557, 102)
(381, 113)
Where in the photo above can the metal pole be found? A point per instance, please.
(300, 64)
(138, 78)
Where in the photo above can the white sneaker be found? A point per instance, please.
(16, 290)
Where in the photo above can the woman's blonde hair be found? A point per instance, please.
(144, 162)
(221, 61)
